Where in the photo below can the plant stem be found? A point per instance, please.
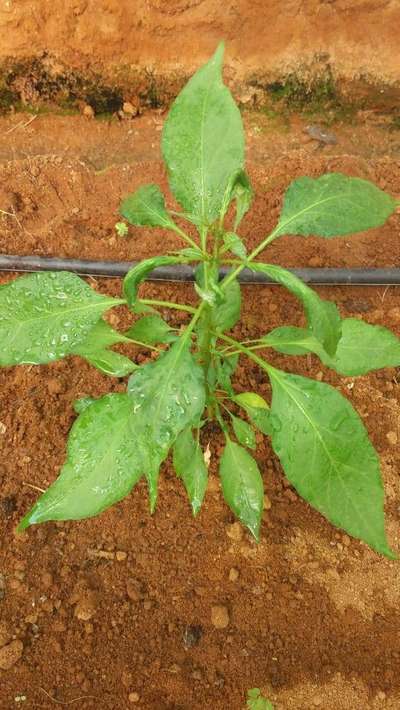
(270, 238)
(184, 236)
(167, 304)
(246, 351)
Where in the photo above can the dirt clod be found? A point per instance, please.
(10, 654)
(219, 616)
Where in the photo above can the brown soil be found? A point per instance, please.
(356, 38)
(122, 604)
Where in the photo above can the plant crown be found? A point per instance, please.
(320, 440)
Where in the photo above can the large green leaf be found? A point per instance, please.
(44, 316)
(242, 485)
(138, 273)
(168, 396)
(363, 348)
(151, 329)
(189, 464)
(227, 313)
(103, 464)
(203, 142)
(323, 316)
(146, 207)
(333, 205)
(327, 456)
(95, 350)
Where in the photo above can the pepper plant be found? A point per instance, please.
(317, 435)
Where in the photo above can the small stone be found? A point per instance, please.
(133, 697)
(392, 437)
(147, 605)
(267, 503)
(381, 695)
(233, 574)
(88, 111)
(192, 635)
(219, 616)
(86, 607)
(129, 108)
(235, 532)
(317, 702)
(121, 555)
(3, 428)
(319, 376)
(10, 654)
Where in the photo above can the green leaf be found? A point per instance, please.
(138, 273)
(189, 464)
(242, 486)
(168, 396)
(81, 404)
(256, 409)
(203, 142)
(256, 701)
(102, 465)
(225, 367)
(146, 207)
(294, 341)
(323, 316)
(251, 399)
(363, 348)
(242, 193)
(227, 313)
(243, 432)
(235, 244)
(333, 205)
(327, 456)
(94, 350)
(44, 316)
(191, 253)
(151, 329)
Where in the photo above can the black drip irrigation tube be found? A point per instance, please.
(184, 272)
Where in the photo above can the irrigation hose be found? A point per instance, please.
(184, 272)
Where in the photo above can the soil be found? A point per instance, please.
(165, 612)
(355, 38)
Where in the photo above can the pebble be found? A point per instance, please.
(317, 702)
(133, 697)
(219, 616)
(121, 555)
(10, 654)
(235, 532)
(267, 503)
(88, 111)
(392, 437)
(85, 608)
(394, 313)
(233, 574)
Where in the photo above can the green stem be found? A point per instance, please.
(167, 304)
(246, 351)
(242, 265)
(184, 236)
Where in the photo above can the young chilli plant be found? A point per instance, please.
(317, 435)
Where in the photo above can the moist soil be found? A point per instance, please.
(119, 611)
